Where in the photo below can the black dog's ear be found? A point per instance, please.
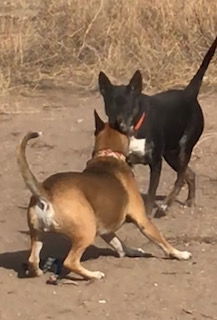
(99, 123)
(104, 83)
(135, 83)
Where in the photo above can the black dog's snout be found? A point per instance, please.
(121, 125)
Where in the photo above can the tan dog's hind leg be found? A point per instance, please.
(147, 228)
(72, 262)
(84, 237)
(118, 245)
(34, 258)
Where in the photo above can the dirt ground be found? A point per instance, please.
(139, 288)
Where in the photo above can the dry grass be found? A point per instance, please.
(74, 39)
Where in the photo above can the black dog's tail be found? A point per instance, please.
(30, 180)
(193, 87)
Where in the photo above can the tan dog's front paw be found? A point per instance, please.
(181, 255)
(185, 255)
(97, 275)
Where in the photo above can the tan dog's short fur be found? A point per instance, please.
(94, 202)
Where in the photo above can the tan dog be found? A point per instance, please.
(94, 202)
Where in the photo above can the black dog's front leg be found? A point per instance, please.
(155, 170)
(133, 159)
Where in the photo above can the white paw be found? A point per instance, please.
(121, 254)
(98, 275)
(39, 272)
(183, 255)
(164, 207)
(140, 250)
(186, 255)
(134, 253)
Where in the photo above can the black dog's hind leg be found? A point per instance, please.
(180, 180)
(190, 180)
(155, 170)
(178, 160)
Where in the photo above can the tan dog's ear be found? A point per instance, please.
(135, 83)
(99, 123)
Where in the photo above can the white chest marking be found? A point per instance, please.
(137, 146)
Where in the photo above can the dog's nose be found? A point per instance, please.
(123, 127)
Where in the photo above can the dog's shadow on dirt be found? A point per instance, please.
(55, 245)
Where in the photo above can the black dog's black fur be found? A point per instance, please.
(173, 124)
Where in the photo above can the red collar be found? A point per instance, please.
(139, 123)
(110, 153)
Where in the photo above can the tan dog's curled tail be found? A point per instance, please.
(30, 180)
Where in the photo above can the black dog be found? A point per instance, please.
(165, 125)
